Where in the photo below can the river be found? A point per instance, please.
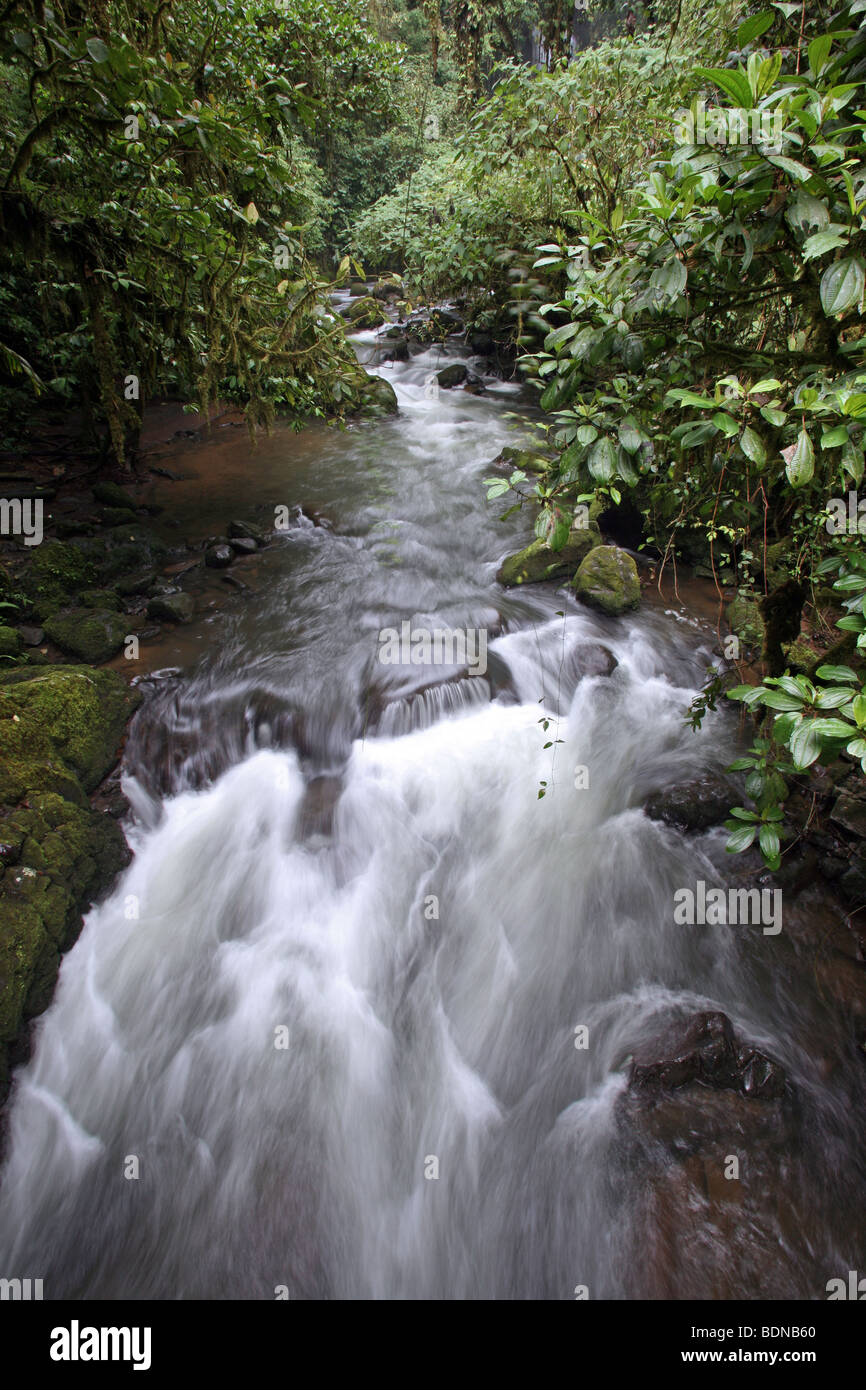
(321, 1039)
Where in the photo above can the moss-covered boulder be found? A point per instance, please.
(59, 729)
(380, 398)
(365, 313)
(744, 619)
(10, 642)
(57, 572)
(529, 460)
(101, 598)
(538, 562)
(92, 634)
(59, 733)
(608, 579)
(111, 495)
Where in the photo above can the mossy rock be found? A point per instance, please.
(608, 580)
(112, 495)
(365, 313)
(59, 732)
(10, 642)
(744, 618)
(93, 634)
(379, 395)
(59, 729)
(101, 598)
(538, 562)
(529, 460)
(57, 572)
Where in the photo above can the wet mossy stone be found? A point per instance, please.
(608, 579)
(171, 608)
(529, 460)
(365, 313)
(454, 375)
(538, 562)
(57, 572)
(112, 495)
(380, 396)
(93, 634)
(10, 641)
(101, 598)
(123, 551)
(59, 729)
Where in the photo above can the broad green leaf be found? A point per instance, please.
(819, 51)
(805, 744)
(836, 673)
(97, 50)
(669, 280)
(754, 27)
(842, 285)
(752, 446)
(602, 460)
(731, 80)
(800, 461)
(831, 439)
(821, 242)
(630, 436)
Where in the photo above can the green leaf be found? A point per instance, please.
(822, 242)
(669, 280)
(630, 436)
(831, 439)
(800, 461)
(780, 699)
(752, 446)
(842, 285)
(832, 728)
(733, 81)
(819, 52)
(836, 673)
(97, 50)
(741, 839)
(754, 27)
(586, 434)
(805, 745)
(602, 460)
(852, 461)
(768, 839)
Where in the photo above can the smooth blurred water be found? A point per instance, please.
(353, 859)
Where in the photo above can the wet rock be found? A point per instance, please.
(607, 579)
(171, 608)
(594, 659)
(136, 583)
(849, 811)
(110, 495)
(529, 460)
(31, 636)
(538, 562)
(218, 557)
(101, 598)
(10, 642)
(704, 1050)
(56, 573)
(397, 350)
(243, 545)
(380, 397)
(692, 806)
(455, 375)
(365, 313)
(93, 634)
(244, 530)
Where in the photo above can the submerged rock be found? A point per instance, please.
(538, 562)
(93, 634)
(219, 556)
(608, 579)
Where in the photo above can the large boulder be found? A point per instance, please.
(60, 729)
(538, 562)
(454, 375)
(607, 579)
(365, 313)
(92, 634)
(379, 396)
(110, 495)
(56, 573)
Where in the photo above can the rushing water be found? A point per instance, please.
(329, 1013)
